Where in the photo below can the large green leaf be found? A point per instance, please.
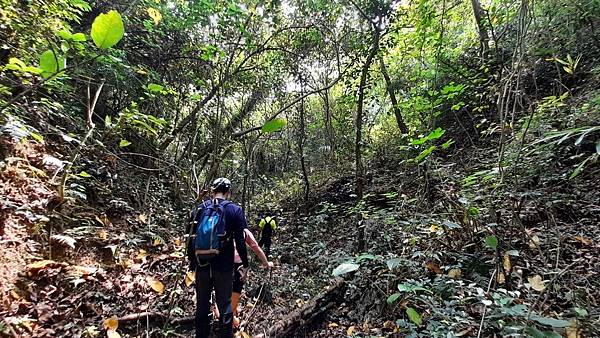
(107, 29)
(273, 125)
(414, 316)
(551, 321)
(393, 298)
(51, 63)
(491, 242)
(344, 268)
(535, 333)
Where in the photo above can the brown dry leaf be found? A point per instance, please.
(244, 334)
(47, 263)
(155, 284)
(454, 273)
(190, 277)
(111, 323)
(112, 334)
(350, 330)
(389, 325)
(506, 262)
(573, 331)
(142, 218)
(177, 243)
(103, 219)
(103, 234)
(434, 228)
(14, 295)
(535, 242)
(141, 256)
(584, 240)
(156, 242)
(432, 266)
(500, 278)
(536, 283)
(333, 325)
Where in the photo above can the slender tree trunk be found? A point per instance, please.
(301, 138)
(484, 37)
(388, 84)
(329, 124)
(360, 175)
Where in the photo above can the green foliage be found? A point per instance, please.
(107, 29)
(51, 63)
(491, 242)
(414, 316)
(274, 125)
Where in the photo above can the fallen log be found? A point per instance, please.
(304, 319)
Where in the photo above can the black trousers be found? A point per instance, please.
(208, 279)
(265, 244)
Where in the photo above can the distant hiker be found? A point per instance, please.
(214, 227)
(238, 282)
(267, 225)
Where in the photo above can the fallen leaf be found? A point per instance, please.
(350, 330)
(536, 283)
(584, 240)
(332, 325)
(506, 263)
(432, 266)
(573, 331)
(434, 228)
(500, 278)
(39, 265)
(454, 273)
(244, 334)
(111, 323)
(534, 242)
(156, 242)
(112, 334)
(190, 277)
(142, 218)
(389, 325)
(155, 284)
(103, 234)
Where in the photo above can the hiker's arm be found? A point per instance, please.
(251, 241)
(238, 233)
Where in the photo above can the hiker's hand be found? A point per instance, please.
(244, 271)
(269, 265)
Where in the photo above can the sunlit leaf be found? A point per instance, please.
(154, 14)
(111, 323)
(112, 334)
(273, 125)
(153, 87)
(107, 29)
(84, 174)
(51, 63)
(536, 283)
(65, 240)
(155, 284)
(454, 273)
(124, 143)
(190, 277)
(345, 268)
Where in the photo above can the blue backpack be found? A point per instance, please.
(211, 234)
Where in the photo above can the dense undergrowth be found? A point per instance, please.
(441, 158)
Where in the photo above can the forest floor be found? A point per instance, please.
(438, 253)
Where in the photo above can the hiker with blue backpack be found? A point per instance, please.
(214, 228)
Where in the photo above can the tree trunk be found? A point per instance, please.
(360, 175)
(484, 37)
(388, 84)
(329, 124)
(301, 138)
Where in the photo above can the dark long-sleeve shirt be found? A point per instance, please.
(235, 223)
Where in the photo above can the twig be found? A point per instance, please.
(485, 306)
